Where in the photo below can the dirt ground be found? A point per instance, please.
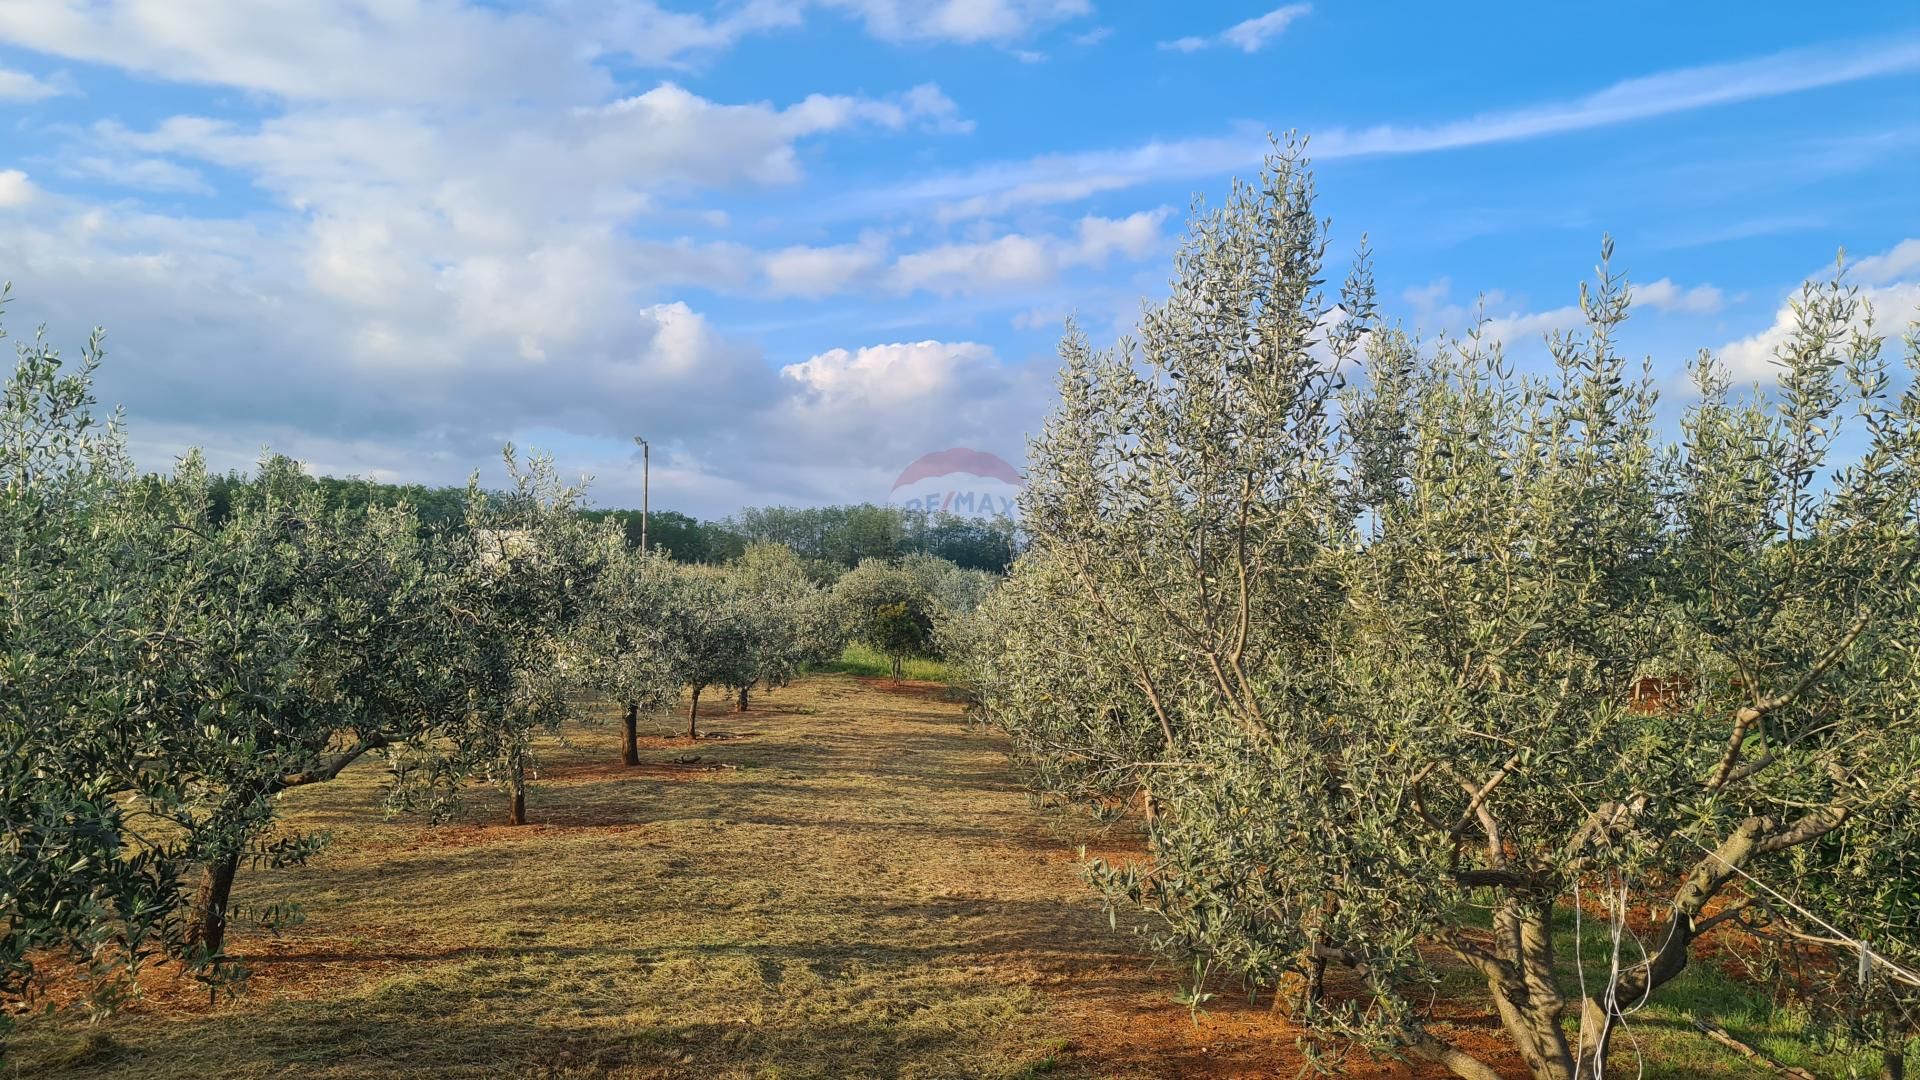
(845, 882)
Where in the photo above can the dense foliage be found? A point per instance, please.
(889, 608)
(1406, 652)
(70, 883)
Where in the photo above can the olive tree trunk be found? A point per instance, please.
(208, 934)
(630, 748)
(693, 714)
(741, 704)
(517, 791)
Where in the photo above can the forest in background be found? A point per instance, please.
(828, 539)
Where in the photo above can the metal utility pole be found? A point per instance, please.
(646, 468)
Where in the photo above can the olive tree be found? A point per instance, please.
(712, 627)
(74, 879)
(1037, 661)
(1372, 649)
(523, 574)
(790, 621)
(626, 642)
(888, 608)
(278, 643)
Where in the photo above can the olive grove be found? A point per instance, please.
(1358, 618)
(178, 651)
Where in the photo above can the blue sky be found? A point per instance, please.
(801, 242)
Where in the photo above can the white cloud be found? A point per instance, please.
(139, 173)
(648, 34)
(15, 189)
(962, 21)
(432, 50)
(1518, 327)
(1428, 297)
(20, 86)
(1889, 285)
(1902, 261)
(885, 374)
(1017, 260)
(1249, 36)
(1009, 261)
(484, 171)
(822, 271)
(466, 244)
(1664, 295)
(443, 281)
(1135, 236)
(1253, 34)
(454, 51)
(884, 405)
(995, 187)
(1063, 190)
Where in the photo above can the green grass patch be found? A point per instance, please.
(1662, 1032)
(859, 659)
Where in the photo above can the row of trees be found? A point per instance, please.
(176, 652)
(830, 540)
(1408, 655)
(839, 538)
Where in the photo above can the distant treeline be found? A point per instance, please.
(826, 536)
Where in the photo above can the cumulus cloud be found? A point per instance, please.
(438, 283)
(884, 405)
(461, 229)
(1903, 261)
(1249, 36)
(15, 189)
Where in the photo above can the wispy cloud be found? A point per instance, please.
(20, 86)
(995, 187)
(1249, 36)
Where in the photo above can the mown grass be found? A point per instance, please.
(859, 659)
(843, 899)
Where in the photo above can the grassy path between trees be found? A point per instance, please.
(861, 889)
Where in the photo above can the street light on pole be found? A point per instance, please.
(646, 468)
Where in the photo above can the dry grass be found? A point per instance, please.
(861, 891)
